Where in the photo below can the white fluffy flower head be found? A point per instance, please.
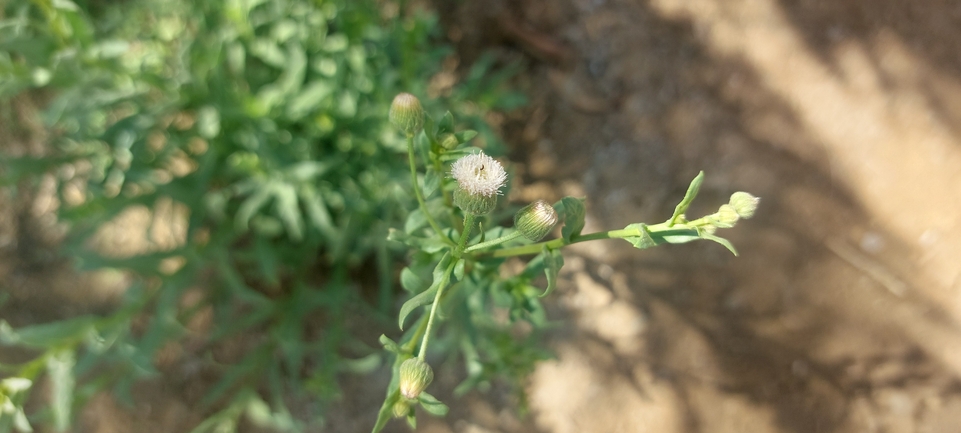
(479, 174)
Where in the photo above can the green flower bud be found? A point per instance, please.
(744, 204)
(726, 216)
(448, 141)
(535, 220)
(401, 408)
(479, 180)
(406, 114)
(415, 375)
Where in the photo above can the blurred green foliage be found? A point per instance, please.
(262, 125)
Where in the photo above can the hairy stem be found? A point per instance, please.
(455, 257)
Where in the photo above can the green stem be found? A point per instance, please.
(468, 227)
(417, 193)
(657, 231)
(500, 240)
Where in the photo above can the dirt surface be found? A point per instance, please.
(843, 311)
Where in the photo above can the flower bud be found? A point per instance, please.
(406, 114)
(479, 180)
(401, 408)
(726, 216)
(448, 141)
(535, 220)
(744, 204)
(415, 375)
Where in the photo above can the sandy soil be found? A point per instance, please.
(843, 311)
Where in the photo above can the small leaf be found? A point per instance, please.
(459, 269)
(727, 244)
(412, 419)
(411, 282)
(432, 405)
(553, 260)
(465, 136)
(574, 212)
(431, 183)
(643, 239)
(389, 345)
(446, 124)
(415, 220)
(688, 198)
(426, 296)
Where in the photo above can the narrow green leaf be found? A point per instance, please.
(727, 244)
(432, 405)
(47, 334)
(250, 206)
(289, 211)
(412, 419)
(389, 345)
(688, 198)
(386, 411)
(574, 213)
(426, 296)
(553, 260)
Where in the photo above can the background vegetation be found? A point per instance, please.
(254, 136)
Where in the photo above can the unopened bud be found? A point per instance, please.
(448, 141)
(726, 216)
(415, 375)
(744, 204)
(401, 408)
(406, 114)
(535, 220)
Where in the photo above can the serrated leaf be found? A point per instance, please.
(574, 213)
(426, 296)
(411, 282)
(643, 239)
(432, 405)
(692, 191)
(553, 261)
